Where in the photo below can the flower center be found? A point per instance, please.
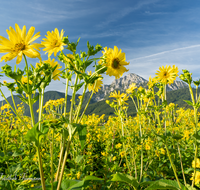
(115, 63)
(165, 74)
(19, 47)
(55, 43)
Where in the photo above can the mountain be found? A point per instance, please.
(176, 93)
(123, 83)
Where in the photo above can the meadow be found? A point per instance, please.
(157, 149)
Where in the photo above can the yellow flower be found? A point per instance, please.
(186, 134)
(147, 147)
(118, 145)
(78, 175)
(56, 72)
(6, 106)
(152, 82)
(115, 61)
(98, 84)
(114, 158)
(131, 88)
(140, 88)
(53, 42)
(197, 163)
(157, 153)
(162, 151)
(122, 154)
(121, 98)
(167, 74)
(19, 43)
(103, 153)
(197, 177)
(24, 80)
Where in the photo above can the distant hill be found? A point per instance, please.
(176, 93)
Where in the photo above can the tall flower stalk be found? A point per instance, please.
(37, 78)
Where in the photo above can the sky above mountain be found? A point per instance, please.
(152, 33)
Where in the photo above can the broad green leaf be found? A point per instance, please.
(126, 179)
(188, 102)
(177, 137)
(72, 129)
(34, 134)
(165, 184)
(82, 131)
(79, 158)
(190, 187)
(77, 186)
(67, 183)
(84, 182)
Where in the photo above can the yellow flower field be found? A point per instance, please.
(156, 149)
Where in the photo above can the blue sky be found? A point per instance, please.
(152, 33)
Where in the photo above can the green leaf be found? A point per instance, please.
(93, 178)
(67, 183)
(197, 137)
(190, 187)
(188, 102)
(126, 179)
(71, 129)
(79, 158)
(35, 99)
(82, 131)
(165, 184)
(23, 99)
(18, 152)
(77, 186)
(35, 135)
(177, 137)
(84, 182)
(79, 86)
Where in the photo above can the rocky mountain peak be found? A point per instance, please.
(123, 83)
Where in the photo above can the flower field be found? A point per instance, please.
(157, 149)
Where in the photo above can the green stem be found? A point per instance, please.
(52, 170)
(88, 102)
(62, 136)
(141, 140)
(31, 109)
(13, 100)
(81, 102)
(195, 120)
(173, 166)
(40, 168)
(196, 147)
(179, 152)
(133, 153)
(134, 104)
(60, 159)
(73, 99)
(29, 93)
(66, 93)
(165, 98)
(63, 165)
(13, 110)
(41, 107)
(127, 163)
